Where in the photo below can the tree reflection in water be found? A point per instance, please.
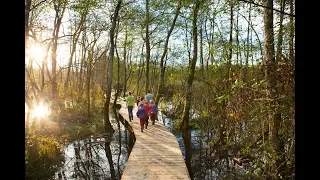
(98, 156)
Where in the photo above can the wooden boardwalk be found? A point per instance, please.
(156, 153)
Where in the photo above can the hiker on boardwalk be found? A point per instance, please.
(141, 102)
(149, 97)
(130, 104)
(153, 111)
(138, 101)
(147, 108)
(142, 115)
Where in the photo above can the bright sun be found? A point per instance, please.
(40, 110)
(36, 52)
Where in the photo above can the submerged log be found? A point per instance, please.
(212, 158)
(240, 160)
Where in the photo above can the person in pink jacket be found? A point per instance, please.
(147, 107)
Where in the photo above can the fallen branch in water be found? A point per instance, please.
(241, 160)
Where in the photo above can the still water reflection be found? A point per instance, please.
(89, 158)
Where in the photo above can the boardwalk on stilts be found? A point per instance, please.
(156, 153)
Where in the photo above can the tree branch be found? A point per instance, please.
(268, 8)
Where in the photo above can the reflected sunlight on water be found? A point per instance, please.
(88, 159)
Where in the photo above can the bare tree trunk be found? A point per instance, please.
(226, 126)
(118, 69)
(59, 9)
(75, 38)
(140, 70)
(188, 45)
(201, 54)
(212, 38)
(165, 50)
(210, 42)
(109, 157)
(292, 60)
(185, 116)
(82, 62)
(245, 73)
(108, 127)
(148, 49)
(280, 33)
(89, 75)
(125, 62)
(230, 49)
(271, 90)
(237, 40)
(291, 37)
(129, 64)
(26, 21)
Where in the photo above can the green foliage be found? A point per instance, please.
(177, 125)
(222, 98)
(42, 155)
(236, 107)
(238, 84)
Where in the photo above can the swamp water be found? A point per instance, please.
(89, 158)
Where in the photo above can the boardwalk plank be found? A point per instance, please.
(156, 153)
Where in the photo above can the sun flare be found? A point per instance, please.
(40, 110)
(36, 52)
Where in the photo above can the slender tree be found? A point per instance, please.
(59, 7)
(26, 20)
(165, 50)
(280, 33)
(271, 90)
(75, 38)
(108, 127)
(291, 37)
(125, 61)
(148, 49)
(187, 104)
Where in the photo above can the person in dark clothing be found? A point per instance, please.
(142, 115)
(138, 101)
(153, 111)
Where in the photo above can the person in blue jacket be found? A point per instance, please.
(142, 115)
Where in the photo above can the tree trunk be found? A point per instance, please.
(140, 70)
(59, 9)
(230, 50)
(148, 49)
(185, 116)
(188, 45)
(118, 70)
(83, 56)
(75, 38)
(201, 54)
(108, 127)
(165, 50)
(237, 40)
(291, 37)
(26, 21)
(109, 157)
(271, 83)
(245, 73)
(125, 63)
(89, 75)
(280, 33)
